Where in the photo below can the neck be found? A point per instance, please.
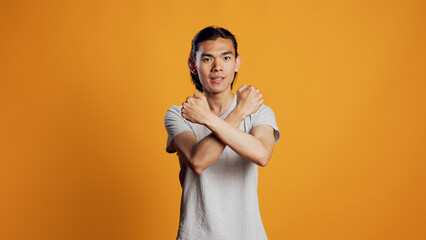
(219, 102)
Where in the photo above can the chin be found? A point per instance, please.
(219, 89)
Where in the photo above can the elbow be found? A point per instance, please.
(264, 159)
(263, 163)
(195, 165)
(197, 168)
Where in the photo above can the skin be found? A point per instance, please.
(217, 58)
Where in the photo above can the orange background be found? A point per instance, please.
(84, 86)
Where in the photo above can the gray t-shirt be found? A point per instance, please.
(221, 203)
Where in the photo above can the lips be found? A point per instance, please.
(217, 79)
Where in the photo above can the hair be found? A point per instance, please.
(209, 33)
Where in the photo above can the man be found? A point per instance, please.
(220, 139)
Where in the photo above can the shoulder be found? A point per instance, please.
(174, 115)
(265, 108)
(175, 124)
(262, 111)
(173, 112)
(265, 116)
(175, 109)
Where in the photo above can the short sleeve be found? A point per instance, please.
(265, 116)
(175, 124)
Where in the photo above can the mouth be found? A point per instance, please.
(217, 79)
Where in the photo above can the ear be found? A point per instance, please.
(191, 66)
(237, 63)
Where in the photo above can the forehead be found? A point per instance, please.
(219, 45)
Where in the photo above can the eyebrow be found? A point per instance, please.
(211, 55)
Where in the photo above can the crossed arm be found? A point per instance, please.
(256, 147)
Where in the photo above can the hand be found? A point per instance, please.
(249, 100)
(196, 109)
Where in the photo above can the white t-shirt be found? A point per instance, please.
(221, 203)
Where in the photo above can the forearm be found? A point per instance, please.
(208, 150)
(245, 144)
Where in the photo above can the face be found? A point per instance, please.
(215, 65)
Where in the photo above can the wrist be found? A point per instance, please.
(235, 117)
(239, 113)
(208, 121)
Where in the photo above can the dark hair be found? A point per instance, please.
(209, 33)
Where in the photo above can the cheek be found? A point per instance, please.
(201, 68)
(231, 68)
(204, 72)
(202, 75)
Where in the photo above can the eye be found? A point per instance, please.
(227, 57)
(206, 59)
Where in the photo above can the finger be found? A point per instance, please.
(242, 88)
(197, 95)
(250, 88)
(189, 99)
(257, 90)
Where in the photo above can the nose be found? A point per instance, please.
(217, 66)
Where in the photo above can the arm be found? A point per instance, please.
(200, 155)
(257, 148)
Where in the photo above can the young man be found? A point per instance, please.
(220, 139)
